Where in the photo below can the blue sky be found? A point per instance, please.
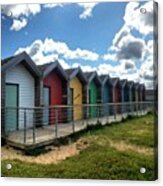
(95, 36)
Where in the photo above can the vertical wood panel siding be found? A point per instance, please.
(137, 94)
(54, 81)
(133, 93)
(117, 96)
(126, 95)
(93, 97)
(20, 75)
(106, 98)
(76, 85)
(2, 104)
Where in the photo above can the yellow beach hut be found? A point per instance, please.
(77, 90)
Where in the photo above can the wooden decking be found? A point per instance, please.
(48, 134)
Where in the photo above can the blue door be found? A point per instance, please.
(106, 100)
(11, 104)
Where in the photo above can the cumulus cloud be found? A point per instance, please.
(114, 71)
(128, 64)
(85, 68)
(109, 56)
(21, 10)
(130, 47)
(18, 24)
(53, 5)
(147, 70)
(124, 31)
(50, 48)
(135, 19)
(20, 14)
(124, 44)
(130, 50)
(126, 47)
(88, 8)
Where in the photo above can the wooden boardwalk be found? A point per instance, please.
(48, 134)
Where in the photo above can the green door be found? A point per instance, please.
(11, 114)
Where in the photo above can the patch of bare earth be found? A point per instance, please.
(122, 146)
(56, 155)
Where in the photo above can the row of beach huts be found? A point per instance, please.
(26, 85)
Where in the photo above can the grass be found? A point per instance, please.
(114, 152)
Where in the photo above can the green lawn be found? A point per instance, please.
(115, 152)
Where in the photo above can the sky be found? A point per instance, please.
(113, 38)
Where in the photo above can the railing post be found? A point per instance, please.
(137, 108)
(108, 113)
(133, 108)
(5, 118)
(34, 126)
(98, 113)
(56, 123)
(87, 114)
(115, 111)
(121, 108)
(25, 126)
(73, 123)
(83, 119)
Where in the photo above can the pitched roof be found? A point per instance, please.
(72, 72)
(114, 81)
(91, 75)
(130, 83)
(23, 58)
(142, 86)
(47, 68)
(6, 60)
(104, 78)
(137, 85)
(123, 82)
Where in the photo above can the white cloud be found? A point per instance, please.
(124, 31)
(147, 70)
(18, 24)
(53, 5)
(20, 10)
(51, 45)
(20, 14)
(108, 56)
(36, 52)
(135, 19)
(130, 47)
(129, 50)
(124, 44)
(105, 68)
(47, 50)
(88, 8)
(128, 65)
(85, 68)
(81, 54)
(64, 64)
(126, 47)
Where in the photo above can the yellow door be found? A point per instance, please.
(76, 85)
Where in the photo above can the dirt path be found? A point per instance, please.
(122, 146)
(58, 154)
(54, 156)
